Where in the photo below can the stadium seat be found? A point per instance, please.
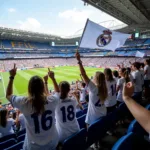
(79, 113)
(131, 141)
(7, 137)
(81, 121)
(21, 138)
(135, 127)
(96, 131)
(76, 141)
(17, 146)
(21, 132)
(148, 107)
(85, 111)
(7, 143)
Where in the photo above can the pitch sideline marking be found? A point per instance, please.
(3, 84)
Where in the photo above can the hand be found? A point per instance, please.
(77, 56)
(128, 90)
(51, 74)
(13, 71)
(45, 78)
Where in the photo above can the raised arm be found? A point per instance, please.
(78, 100)
(82, 70)
(9, 90)
(52, 76)
(141, 114)
(46, 84)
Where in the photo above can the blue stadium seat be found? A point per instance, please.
(79, 113)
(7, 137)
(21, 138)
(81, 121)
(135, 127)
(21, 132)
(131, 141)
(17, 146)
(96, 131)
(76, 142)
(148, 107)
(7, 143)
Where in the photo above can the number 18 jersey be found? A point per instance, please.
(66, 121)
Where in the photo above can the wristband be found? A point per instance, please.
(11, 78)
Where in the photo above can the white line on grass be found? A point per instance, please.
(3, 84)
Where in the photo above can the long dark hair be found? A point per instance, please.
(37, 95)
(64, 88)
(126, 74)
(108, 74)
(3, 117)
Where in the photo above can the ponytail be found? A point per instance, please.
(64, 87)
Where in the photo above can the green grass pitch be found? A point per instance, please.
(68, 73)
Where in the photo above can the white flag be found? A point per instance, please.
(96, 36)
(139, 54)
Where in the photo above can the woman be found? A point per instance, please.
(110, 102)
(123, 73)
(147, 78)
(97, 94)
(39, 112)
(6, 124)
(66, 121)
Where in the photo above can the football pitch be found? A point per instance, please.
(68, 73)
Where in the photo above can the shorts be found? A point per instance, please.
(147, 83)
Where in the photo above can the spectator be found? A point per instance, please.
(97, 93)
(6, 124)
(116, 75)
(123, 73)
(110, 102)
(66, 121)
(39, 113)
(147, 78)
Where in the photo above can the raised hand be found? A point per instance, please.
(77, 56)
(128, 90)
(45, 78)
(51, 74)
(13, 71)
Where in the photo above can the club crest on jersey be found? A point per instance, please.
(104, 39)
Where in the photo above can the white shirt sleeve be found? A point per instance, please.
(119, 82)
(91, 86)
(17, 101)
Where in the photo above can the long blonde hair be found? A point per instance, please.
(36, 94)
(101, 84)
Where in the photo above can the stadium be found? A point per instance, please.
(33, 53)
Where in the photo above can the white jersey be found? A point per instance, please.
(138, 81)
(40, 129)
(120, 83)
(21, 120)
(95, 108)
(9, 127)
(147, 75)
(66, 121)
(111, 99)
(82, 94)
(116, 78)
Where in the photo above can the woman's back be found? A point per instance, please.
(66, 121)
(40, 128)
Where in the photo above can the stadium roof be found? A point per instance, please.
(135, 13)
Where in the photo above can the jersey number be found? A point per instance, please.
(69, 114)
(113, 89)
(44, 119)
(97, 104)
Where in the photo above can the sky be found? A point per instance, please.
(58, 17)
